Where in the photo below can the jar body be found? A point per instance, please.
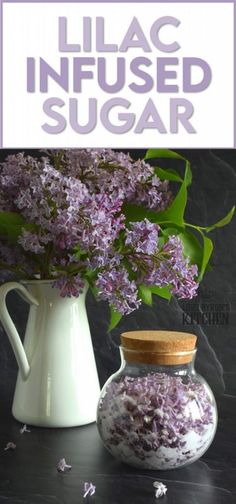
(156, 417)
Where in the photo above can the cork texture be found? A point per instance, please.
(158, 347)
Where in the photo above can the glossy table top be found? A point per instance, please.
(28, 475)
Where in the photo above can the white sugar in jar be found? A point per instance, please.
(156, 412)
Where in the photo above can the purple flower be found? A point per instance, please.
(24, 429)
(72, 202)
(89, 489)
(10, 255)
(10, 446)
(173, 271)
(150, 416)
(117, 174)
(161, 489)
(62, 466)
(115, 287)
(31, 242)
(69, 287)
(143, 237)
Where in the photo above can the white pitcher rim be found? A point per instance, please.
(47, 282)
(36, 280)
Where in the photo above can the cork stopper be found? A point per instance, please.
(158, 347)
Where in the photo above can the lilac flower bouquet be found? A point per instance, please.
(98, 217)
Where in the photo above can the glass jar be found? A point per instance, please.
(156, 412)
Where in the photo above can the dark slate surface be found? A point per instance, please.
(29, 474)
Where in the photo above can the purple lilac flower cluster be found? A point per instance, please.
(156, 417)
(74, 228)
(173, 270)
(114, 285)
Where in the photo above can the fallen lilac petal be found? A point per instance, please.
(24, 429)
(10, 446)
(161, 489)
(89, 489)
(62, 466)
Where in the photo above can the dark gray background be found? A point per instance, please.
(212, 194)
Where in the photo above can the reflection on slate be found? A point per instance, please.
(28, 475)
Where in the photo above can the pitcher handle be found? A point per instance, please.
(9, 326)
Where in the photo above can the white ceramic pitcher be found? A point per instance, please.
(57, 383)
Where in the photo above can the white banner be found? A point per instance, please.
(118, 75)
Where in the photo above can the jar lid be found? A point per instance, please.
(158, 347)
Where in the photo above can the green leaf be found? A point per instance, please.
(11, 225)
(223, 222)
(192, 248)
(168, 175)
(10, 218)
(13, 232)
(93, 289)
(115, 318)
(188, 174)
(207, 251)
(145, 294)
(161, 291)
(170, 231)
(175, 213)
(138, 212)
(162, 153)
(78, 252)
(134, 212)
(161, 241)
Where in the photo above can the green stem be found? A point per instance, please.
(19, 269)
(45, 266)
(198, 228)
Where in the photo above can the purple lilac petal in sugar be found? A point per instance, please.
(156, 421)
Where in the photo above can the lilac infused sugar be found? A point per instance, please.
(156, 421)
